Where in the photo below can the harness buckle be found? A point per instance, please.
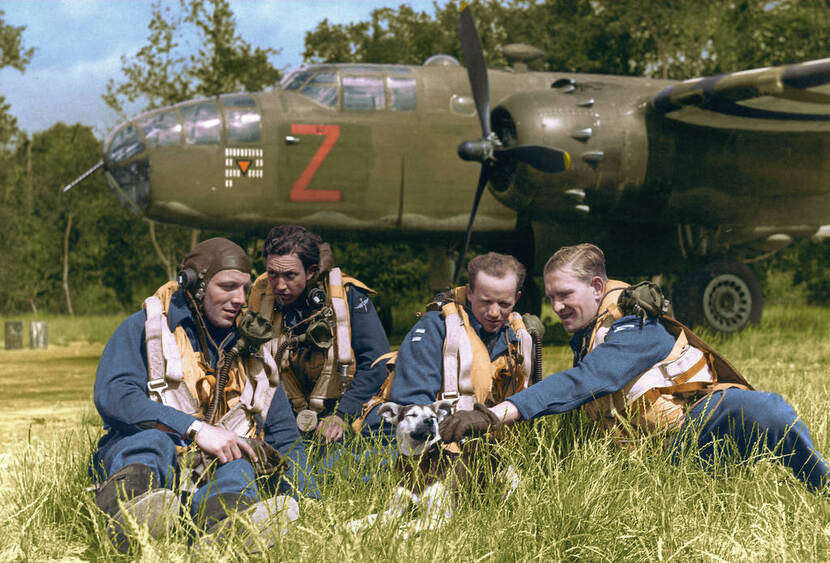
(451, 396)
(157, 386)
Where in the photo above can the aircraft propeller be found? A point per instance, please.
(489, 150)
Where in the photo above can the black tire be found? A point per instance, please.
(725, 295)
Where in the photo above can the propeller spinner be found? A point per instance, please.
(489, 150)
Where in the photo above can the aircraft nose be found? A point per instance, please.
(127, 167)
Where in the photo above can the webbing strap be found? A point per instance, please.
(525, 345)
(165, 382)
(341, 317)
(458, 356)
(152, 339)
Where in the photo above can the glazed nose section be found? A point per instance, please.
(127, 167)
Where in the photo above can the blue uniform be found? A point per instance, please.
(137, 427)
(752, 420)
(419, 367)
(368, 343)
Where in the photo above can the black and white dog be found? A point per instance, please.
(430, 473)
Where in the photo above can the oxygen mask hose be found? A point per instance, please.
(536, 373)
(254, 331)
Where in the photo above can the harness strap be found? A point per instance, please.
(458, 358)
(165, 383)
(341, 315)
(525, 353)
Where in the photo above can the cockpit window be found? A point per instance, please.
(202, 123)
(162, 129)
(295, 79)
(125, 143)
(363, 93)
(242, 119)
(325, 94)
(401, 94)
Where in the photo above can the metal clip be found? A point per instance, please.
(451, 396)
(157, 386)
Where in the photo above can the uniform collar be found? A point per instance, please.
(494, 341)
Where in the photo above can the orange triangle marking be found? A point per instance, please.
(244, 165)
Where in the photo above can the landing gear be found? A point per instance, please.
(724, 295)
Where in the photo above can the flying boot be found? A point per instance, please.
(227, 513)
(141, 496)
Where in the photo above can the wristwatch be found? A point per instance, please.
(193, 430)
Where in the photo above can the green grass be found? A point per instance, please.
(580, 497)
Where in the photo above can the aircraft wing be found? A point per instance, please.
(783, 98)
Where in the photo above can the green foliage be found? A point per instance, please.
(162, 73)
(667, 39)
(807, 263)
(15, 55)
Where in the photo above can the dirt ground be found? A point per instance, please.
(46, 391)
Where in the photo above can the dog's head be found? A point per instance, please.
(416, 426)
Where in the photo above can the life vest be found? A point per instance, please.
(469, 376)
(660, 397)
(329, 371)
(181, 378)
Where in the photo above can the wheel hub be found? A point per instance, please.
(727, 303)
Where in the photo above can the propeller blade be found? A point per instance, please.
(476, 67)
(483, 178)
(546, 159)
(82, 177)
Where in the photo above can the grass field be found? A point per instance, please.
(579, 498)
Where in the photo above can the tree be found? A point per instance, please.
(166, 71)
(12, 54)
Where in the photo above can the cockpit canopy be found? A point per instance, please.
(232, 118)
(355, 87)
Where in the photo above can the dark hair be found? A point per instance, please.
(293, 239)
(496, 265)
(584, 261)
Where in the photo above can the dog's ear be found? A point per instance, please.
(442, 409)
(389, 412)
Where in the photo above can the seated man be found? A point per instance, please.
(470, 346)
(156, 391)
(638, 374)
(327, 332)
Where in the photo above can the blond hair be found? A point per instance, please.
(582, 260)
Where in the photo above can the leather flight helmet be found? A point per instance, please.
(208, 258)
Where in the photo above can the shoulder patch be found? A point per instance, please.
(362, 305)
(622, 327)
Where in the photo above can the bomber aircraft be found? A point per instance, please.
(690, 178)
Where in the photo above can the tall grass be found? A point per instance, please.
(580, 497)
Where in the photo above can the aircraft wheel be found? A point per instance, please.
(725, 295)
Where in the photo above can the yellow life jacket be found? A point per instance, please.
(326, 370)
(468, 374)
(660, 397)
(180, 377)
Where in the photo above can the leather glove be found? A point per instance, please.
(269, 461)
(468, 423)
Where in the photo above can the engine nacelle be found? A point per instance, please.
(607, 143)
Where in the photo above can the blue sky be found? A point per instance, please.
(79, 44)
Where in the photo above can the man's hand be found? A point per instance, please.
(223, 444)
(331, 428)
(466, 423)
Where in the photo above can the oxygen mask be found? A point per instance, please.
(319, 334)
(254, 331)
